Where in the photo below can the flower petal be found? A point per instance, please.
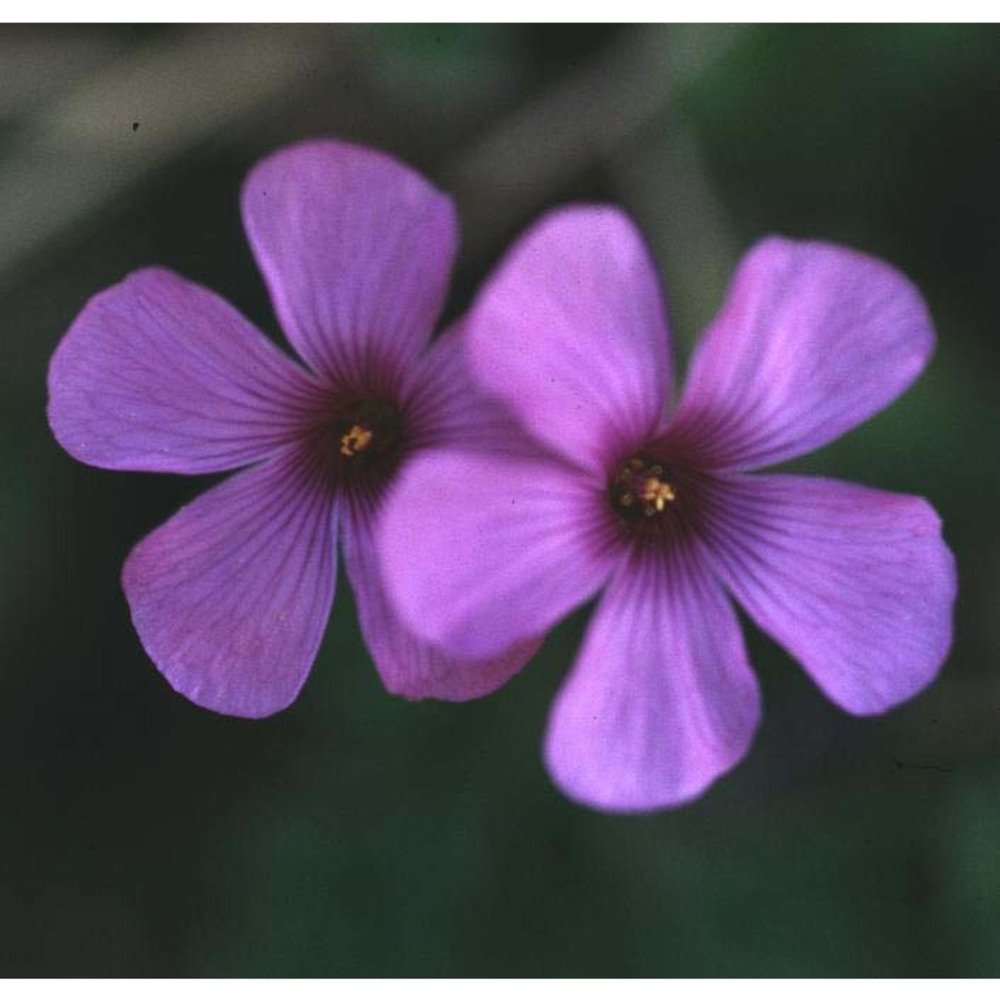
(231, 596)
(661, 700)
(857, 584)
(447, 407)
(571, 333)
(407, 665)
(356, 249)
(480, 552)
(159, 374)
(812, 340)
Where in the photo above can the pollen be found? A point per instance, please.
(642, 488)
(355, 440)
(656, 494)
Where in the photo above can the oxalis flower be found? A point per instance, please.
(231, 596)
(652, 505)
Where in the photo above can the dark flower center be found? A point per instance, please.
(642, 488)
(655, 499)
(358, 439)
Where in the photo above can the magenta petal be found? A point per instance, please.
(571, 333)
(812, 340)
(661, 700)
(447, 407)
(159, 374)
(356, 249)
(407, 665)
(231, 596)
(480, 552)
(857, 584)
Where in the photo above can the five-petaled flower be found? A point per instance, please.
(231, 596)
(654, 506)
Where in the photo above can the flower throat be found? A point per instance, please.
(358, 439)
(641, 489)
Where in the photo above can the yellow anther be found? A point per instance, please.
(641, 486)
(658, 493)
(356, 439)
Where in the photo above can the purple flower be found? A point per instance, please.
(652, 505)
(231, 596)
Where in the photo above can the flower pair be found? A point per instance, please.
(530, 458)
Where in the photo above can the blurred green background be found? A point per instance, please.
(358, 834)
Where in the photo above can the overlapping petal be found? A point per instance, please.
(480, 551)
(408, 665)
(661, 700)
(447, 407)
(356, 249)
(231, 596)
(159, 374)
(813, 339)
(571, 333)
(856, 583)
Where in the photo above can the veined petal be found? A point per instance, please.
(159, 374)
(571, 333)
(408, 665)
(447, 407)
(480, 552)
(857, 584)
(231, 596)
(813, 339)
(356, 249)
(661, 700)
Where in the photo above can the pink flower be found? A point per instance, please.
(231, 596)
(652, 506)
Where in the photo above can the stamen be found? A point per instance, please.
(656, 492)
(355, 440)
(641, 487)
